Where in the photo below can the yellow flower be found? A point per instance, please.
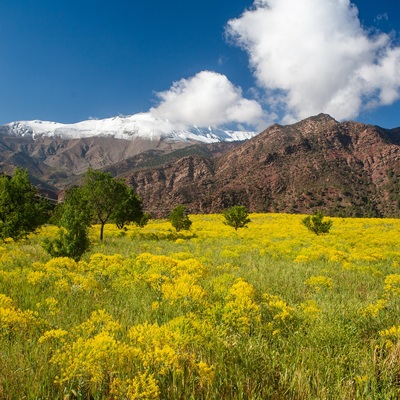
(241, 314)
(227, 253)
(301, 258)
(373, 310)
(392, 285)
(183, 289)
(63, 285)
(35, 277)
(91, 359)
(241, 289)
(206, 373)
(99, 321)
(142, 386)
(319, 282)
(190, 266)
(13, 320)
(6, 301)
(53, 334)
(310, 309)
(394, 331)
(278, 308)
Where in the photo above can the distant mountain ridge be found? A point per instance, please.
(343, 168)
(57, 154)
(137, 126)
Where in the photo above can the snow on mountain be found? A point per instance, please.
(143, 125)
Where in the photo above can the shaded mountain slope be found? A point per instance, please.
(59, 162)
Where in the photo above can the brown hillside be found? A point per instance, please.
(343, 168)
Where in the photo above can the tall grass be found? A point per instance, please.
(267, 312)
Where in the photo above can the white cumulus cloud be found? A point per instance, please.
(207, 99)
(313, 56)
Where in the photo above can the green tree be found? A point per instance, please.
(74, 221)
(179, 218)
(110, 199)
(21, 209)
(236, 217)
(103, 193)
(128, 210)
(315, 223)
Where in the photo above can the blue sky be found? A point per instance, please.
(70, 60)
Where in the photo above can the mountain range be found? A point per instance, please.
(57, 154)
(343, 168)
(138, 126)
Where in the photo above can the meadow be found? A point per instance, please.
(271, 311)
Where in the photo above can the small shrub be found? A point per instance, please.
(315, 223)
(179, 218)
(237, 217)
(74, 220)
(72, 243)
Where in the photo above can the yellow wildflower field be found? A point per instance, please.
(266, 312)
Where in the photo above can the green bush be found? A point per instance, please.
(74, 220)
(315, 223)
(237, 217)
(179, 218)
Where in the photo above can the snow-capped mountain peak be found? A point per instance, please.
(142, 125)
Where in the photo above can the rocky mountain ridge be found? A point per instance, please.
(57, 154)
(348, 169)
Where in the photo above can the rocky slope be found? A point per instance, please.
(342, 168)
(57, 154)
(58, 161)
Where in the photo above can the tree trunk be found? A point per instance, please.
(101, 231)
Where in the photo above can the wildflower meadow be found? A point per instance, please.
(271, 311)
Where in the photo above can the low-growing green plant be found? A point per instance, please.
(315, 223)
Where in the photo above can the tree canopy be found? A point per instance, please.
(129, 209)
(21, 209)
(179, 218)
(236, 217)
(110, 200)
